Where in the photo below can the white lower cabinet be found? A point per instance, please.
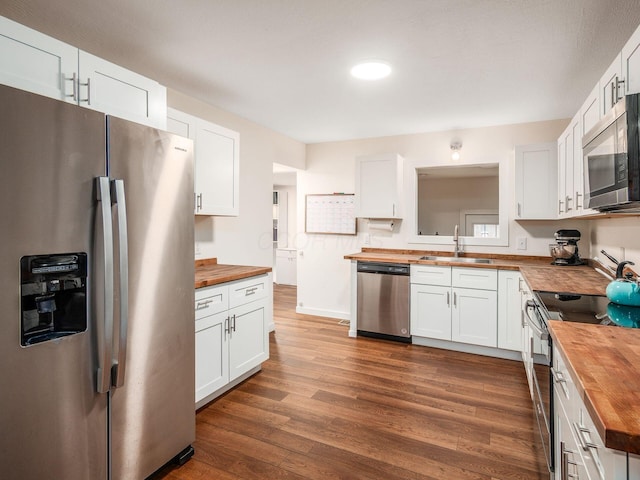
(634, 467)
(457, 304)
(509, 310)
(286, 266)
(579, 451)
(431, 311)
(232, 323)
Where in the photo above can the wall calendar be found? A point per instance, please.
(330, 213)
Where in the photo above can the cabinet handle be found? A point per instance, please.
(455, 299)
(88, 85)
(584, 442)
(74, 83)
(519, 209)
(614, 94)
(199, 201)
(234, 322)
(250, 291)
(226, 326)
(560, 203)
(568, 199)
(558, 376)
(393, 209)
(578, 196)
(618, 82)
(205, 304)
(448, 299)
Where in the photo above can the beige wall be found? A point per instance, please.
(619, 236)
(246, 239)
(324, 275)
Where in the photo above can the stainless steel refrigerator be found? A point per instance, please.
(96, 293)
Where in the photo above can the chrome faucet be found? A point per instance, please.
(456, 242)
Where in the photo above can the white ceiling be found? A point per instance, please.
(285, 63)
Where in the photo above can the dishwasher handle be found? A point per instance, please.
(383, 268)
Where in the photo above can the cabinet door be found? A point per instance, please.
(114, 90)
(474, 317)
(181, 123)
(562, 174)
(212, 354)
(378, 187)
(537, 181)
(568, 461)
(634, 467)
(631, 63)
(249, 341)
(611, 90)
(431, 311)
(590, 111)
(36, 63)
(286, 267)
(509, 311)
(217, 170)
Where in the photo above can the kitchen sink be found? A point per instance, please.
(457, 259)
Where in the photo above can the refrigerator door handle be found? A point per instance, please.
(119, 363)
(104, 328)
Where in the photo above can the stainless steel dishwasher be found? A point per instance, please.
(383, 301)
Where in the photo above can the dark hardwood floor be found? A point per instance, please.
(326, 406)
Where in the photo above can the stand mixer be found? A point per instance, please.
(565, 250)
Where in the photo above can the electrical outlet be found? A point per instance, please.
(367, 239)
(522, 243)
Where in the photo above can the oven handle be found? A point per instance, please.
(541, 333)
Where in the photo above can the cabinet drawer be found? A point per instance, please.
(431, 275)
(210, 300)
(480, 278)
(249, 290)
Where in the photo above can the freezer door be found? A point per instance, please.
(152, 412)
(53, 422)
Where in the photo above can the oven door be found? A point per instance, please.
(542, 387)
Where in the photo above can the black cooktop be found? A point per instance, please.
(593, 309)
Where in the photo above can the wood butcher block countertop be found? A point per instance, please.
(209, 272)
(537, 271)
(498, 261)
(604, 362)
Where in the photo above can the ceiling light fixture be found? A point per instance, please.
(455, 151)
(371, 70)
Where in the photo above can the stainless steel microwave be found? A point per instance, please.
(612, 159)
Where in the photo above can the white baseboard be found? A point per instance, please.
(323, 313)
(467, 348)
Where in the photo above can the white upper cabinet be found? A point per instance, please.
(40, 64)
(611, 85)
(217, 163)
(379, 186)
(109, 88)
(537, 181)
(631, 63)
(37, 63)
(590, 111)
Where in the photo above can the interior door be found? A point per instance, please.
(53, 421)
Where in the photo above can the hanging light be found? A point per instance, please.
(455, 151)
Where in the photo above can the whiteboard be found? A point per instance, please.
(330, 213)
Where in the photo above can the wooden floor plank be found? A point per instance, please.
(327, 406)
